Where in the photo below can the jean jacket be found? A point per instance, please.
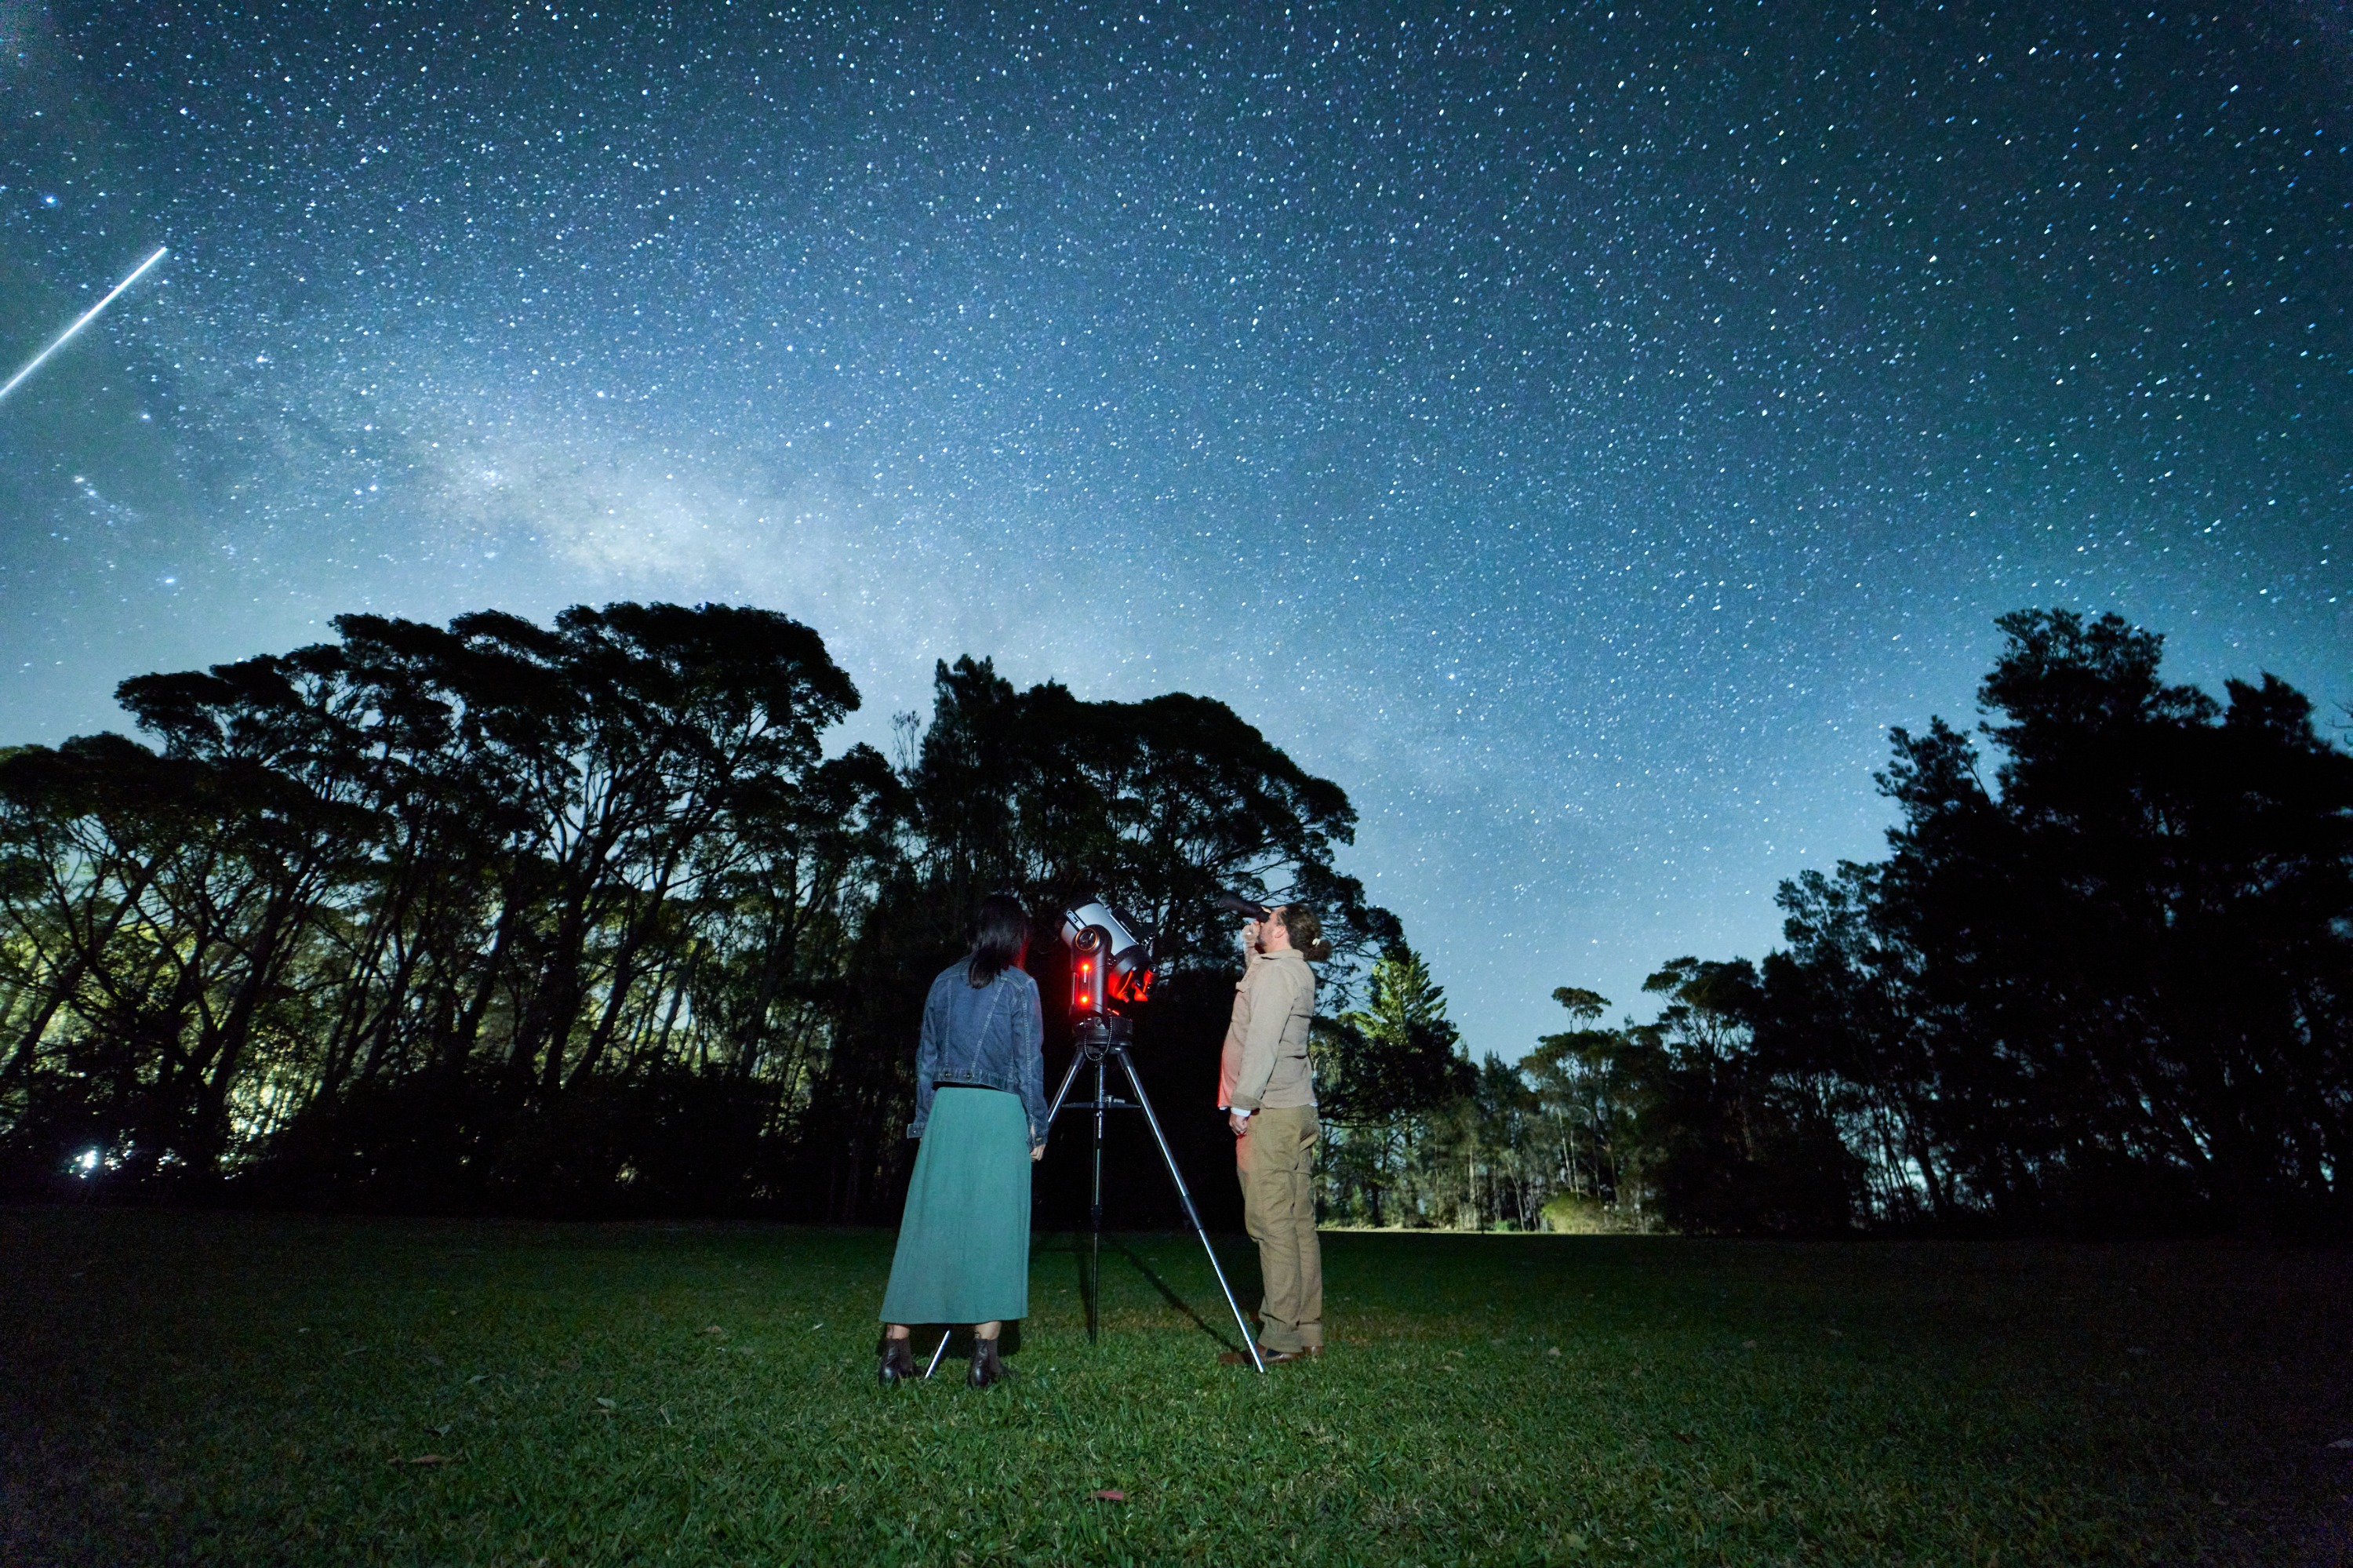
(992, 1035)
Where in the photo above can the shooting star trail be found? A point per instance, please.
(87, 317)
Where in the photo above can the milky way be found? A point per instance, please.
(1582, 433)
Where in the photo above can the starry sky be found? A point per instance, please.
(1581, 431)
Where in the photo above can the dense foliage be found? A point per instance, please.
(2114, 985)
(576, 918)
(2109, 988)
(583, 918)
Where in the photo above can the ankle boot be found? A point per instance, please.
(986, 1368)
(898, 1363)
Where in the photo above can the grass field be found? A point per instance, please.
(211, 1388)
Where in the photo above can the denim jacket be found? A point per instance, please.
(994, 1036)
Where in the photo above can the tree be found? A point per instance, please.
(1383, 1072)
(1843, 1007)
(1158, 805)
(1582, 1093)
(432, 915)
(2110, 986)
(1726, 1143)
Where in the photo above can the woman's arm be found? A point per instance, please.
(928, 1047)
(1030, 1041)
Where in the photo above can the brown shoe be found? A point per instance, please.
(1271, 1358)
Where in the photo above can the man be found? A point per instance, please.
(1267, 1088)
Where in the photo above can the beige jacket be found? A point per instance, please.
(1265, 1058)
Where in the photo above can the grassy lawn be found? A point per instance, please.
(215, 1388)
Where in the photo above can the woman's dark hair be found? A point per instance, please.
(1307, 931)
(999, 936)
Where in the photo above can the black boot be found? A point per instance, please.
(986, 1368)
(898, 1363)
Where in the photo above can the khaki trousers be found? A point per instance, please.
(1275, 1159)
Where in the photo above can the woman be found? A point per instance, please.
(980, 1103)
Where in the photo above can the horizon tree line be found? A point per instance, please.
(570, 918)
(2105, 986)
(583, 918)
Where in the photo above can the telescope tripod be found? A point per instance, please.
(1101, 1038)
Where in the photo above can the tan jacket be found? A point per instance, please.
(1265, 1058)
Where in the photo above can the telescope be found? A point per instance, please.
(1110, 965)
(1111, 970)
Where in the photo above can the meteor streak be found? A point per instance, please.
(87, 317)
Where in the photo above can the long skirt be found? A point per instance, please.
(963, 1242)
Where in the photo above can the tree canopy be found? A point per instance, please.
(2102, 981)
(585, 918)
(576, 918)
(2111, 986)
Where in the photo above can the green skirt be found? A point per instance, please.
(963, 1242)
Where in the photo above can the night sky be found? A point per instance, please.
(1579, 432)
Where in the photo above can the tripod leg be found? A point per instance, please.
(1249, 1340)
(1063, 1093)
(1094, 1216)
(1077, 1059)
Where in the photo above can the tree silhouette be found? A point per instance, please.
(1383, 1072)
(580, 917)
(2111, 987)
(2106, 988)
